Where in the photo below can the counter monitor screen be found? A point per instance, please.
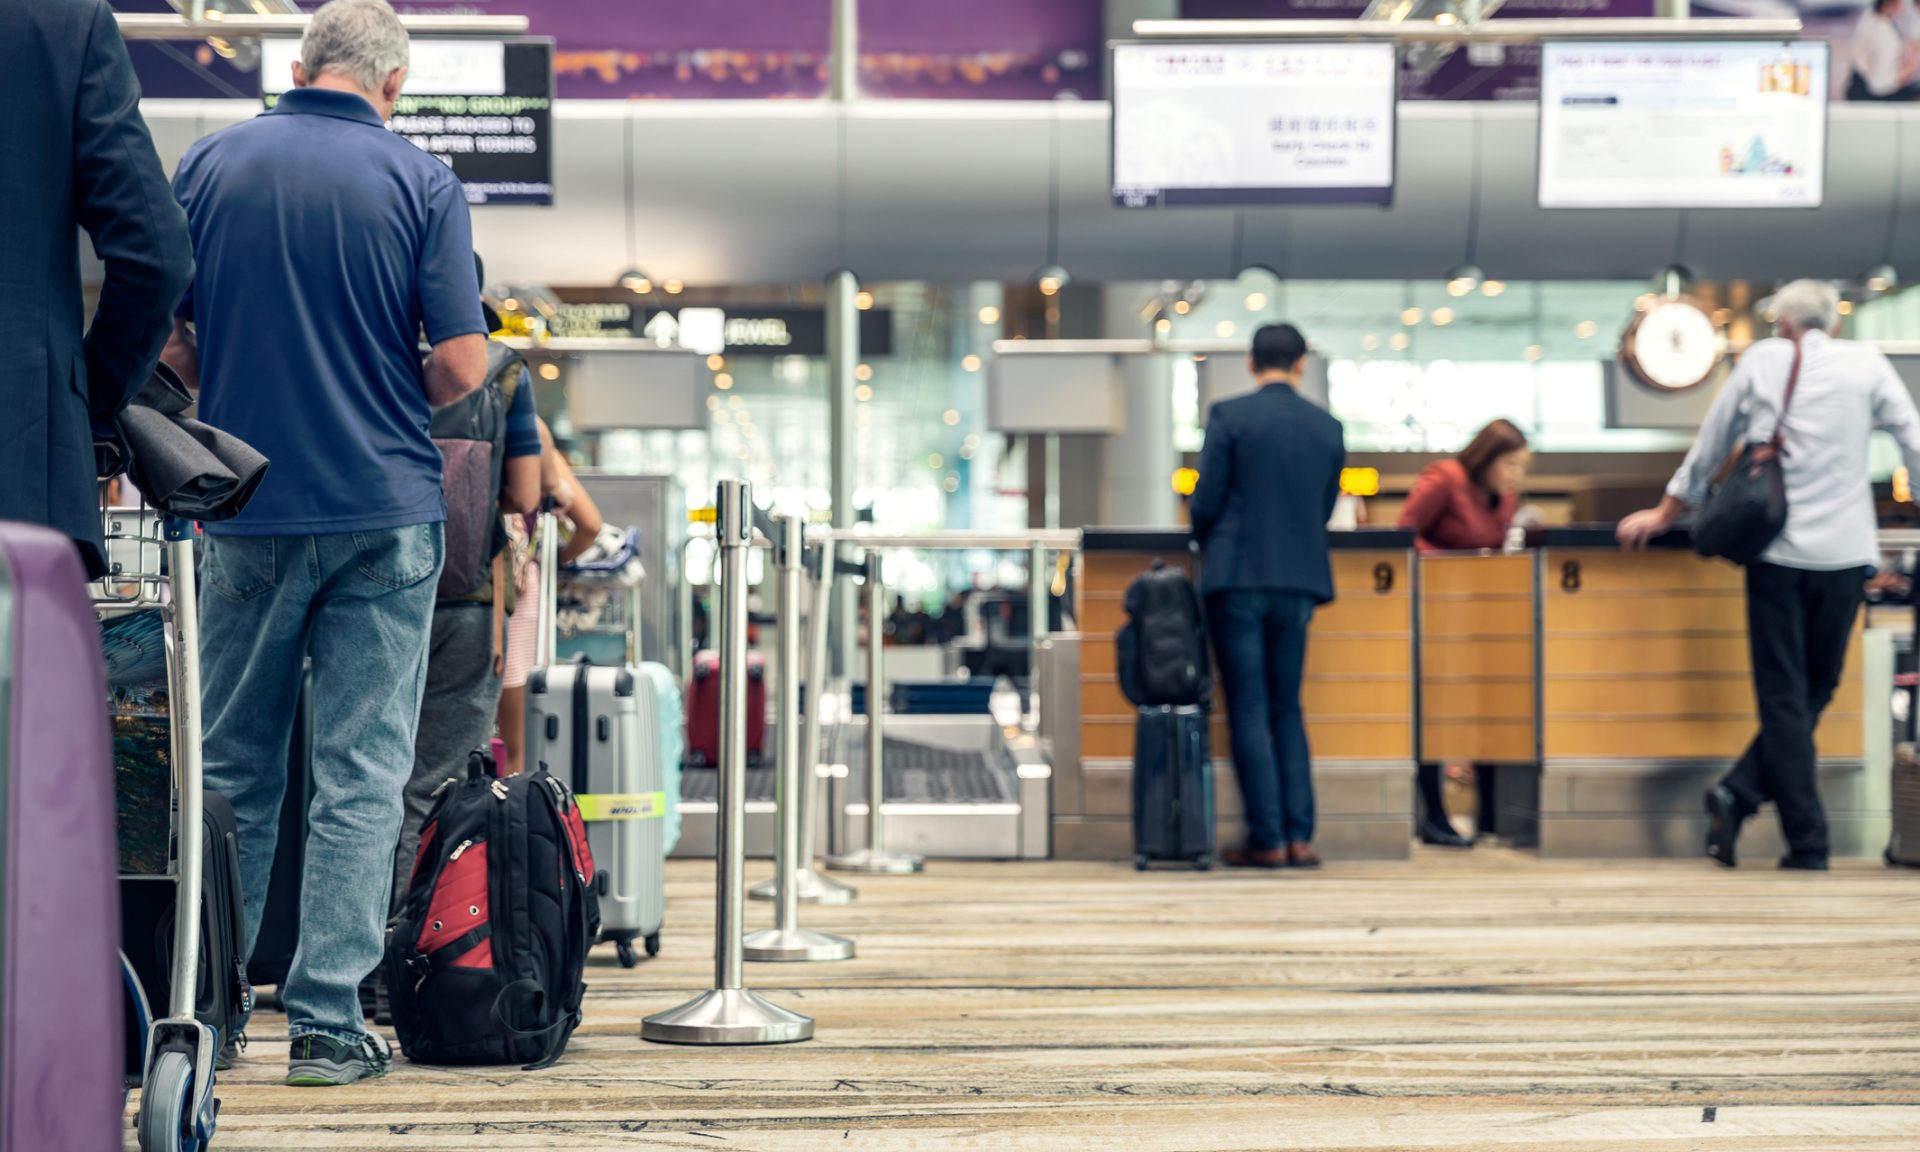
(484, 107)
(1230, 124)
(1683, 125)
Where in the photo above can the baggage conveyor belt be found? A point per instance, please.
(957, 787)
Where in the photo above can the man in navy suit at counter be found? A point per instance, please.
(1269, 476)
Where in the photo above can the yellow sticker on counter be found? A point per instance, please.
(606, 806)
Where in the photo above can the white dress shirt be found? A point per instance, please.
(1876, 53)
(1846, 390)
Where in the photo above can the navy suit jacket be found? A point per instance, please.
(1269, 476)
(74, 153)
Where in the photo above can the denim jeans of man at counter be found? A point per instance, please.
(1260, 641)
(361, 604)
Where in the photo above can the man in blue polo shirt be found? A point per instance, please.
(326, 246)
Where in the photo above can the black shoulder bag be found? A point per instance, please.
(1747, 506)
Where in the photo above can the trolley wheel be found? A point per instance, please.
(653, 944)
(1140, 863)
(1203, 864)
(623, 949)
(165, 1102)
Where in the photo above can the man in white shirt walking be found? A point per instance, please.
(1880, 70)
(1804, 592)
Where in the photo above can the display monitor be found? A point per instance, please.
(1232, 124)
(1683, 125)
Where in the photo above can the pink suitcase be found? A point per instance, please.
(61, 1046)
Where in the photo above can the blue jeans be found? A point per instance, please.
(361, 604)
(1260, 640)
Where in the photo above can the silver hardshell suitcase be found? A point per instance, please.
(597, 728)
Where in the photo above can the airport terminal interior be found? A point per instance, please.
(894, 341)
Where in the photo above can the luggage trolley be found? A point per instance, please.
(151, 567)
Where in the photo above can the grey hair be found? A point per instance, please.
(362, 40)
(1809, 305)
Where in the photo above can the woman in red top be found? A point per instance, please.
(1465, 505)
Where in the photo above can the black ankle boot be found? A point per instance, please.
(1442, 836)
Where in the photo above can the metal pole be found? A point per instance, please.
(786, 940)
(683, 608)
(189, 769)
(812, 885)
(843, 355)
(874, 857)
(1039, 601)
(730, 1013)
(196, 11)
(546, 616)
(845, 83)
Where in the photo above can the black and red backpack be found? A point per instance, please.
(485, 962)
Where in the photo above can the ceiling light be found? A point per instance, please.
(1399, 341)
(1163, 325)
(1881, 278)
(951, 484)
(966, 451)
(1442, 317)
(1493, 288)
(950, 417)
(723, 381)
(970, 362)
(863, 393)
(1464, 279)
(863, 300)
(1412, 316)
(549, 371)
(1224, 329)
(1535, 353)
(510, 304)
(1256, 301)
(1051, 279)
(735, 403)
(863, 372)
(1182, 307)
(716, 362)
(936, 461)
(674, 287)
(636, 282)
(1370, 341)
(1846, 307)
(1585, 329)
(989, 315)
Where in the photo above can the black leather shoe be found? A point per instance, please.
(1723, 825)
(1795, 862)
(1441, 836)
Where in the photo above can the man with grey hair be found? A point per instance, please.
(1804, 592)
(325, 246)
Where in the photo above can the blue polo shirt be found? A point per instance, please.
(324, 246)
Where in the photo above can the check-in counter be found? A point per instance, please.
(1358, 697)
(1647, 698)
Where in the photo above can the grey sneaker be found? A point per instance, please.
(317, 1061)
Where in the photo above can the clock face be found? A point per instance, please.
(1673, 345)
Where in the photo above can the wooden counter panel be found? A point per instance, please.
(1363, 698)
(1607, 571)
(1113, 571)
(1102, 613)
(1643, 655)
(1330, 739)
(1478, 618)
(1722, 694)
(1643, 613)
(1456, 576)
(1479, 739)
(1358, 655)
(1445, 658)
(1693, 738)
(1478, 699)
(1366, 613)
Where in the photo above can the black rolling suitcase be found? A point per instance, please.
(280, 920)
(1904, 846)
(224, 998)
(1172, 787)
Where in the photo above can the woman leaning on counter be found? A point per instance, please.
(1465, 504)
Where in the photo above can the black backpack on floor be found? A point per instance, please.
(1163, 645)
(485, 962)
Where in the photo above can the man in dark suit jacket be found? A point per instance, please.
(1269, 476)
(74, 153)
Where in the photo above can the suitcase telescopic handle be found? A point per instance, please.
(547, 555)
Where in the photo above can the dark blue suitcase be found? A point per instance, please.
(1172, 787)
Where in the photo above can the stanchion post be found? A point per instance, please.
(729, 1013)
(812, 886)
(875, 857)
(786, 940)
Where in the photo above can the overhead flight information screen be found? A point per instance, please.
(1228, 124)
(1683, 125)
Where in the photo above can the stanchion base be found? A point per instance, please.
(797, 945)
(814, 889)
(727, 1016)
(868, 860)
